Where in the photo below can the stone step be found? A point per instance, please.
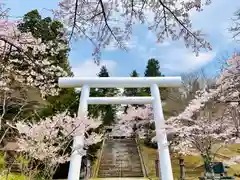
(119, 165)
(117, 172)
(120, 169)
(122, 178)
(116, 165)
(139, 169)
(130, 166)
(120, 158)
(103, 175)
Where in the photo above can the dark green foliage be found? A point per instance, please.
(92, 150)
(132, 91)
(150, 134)
(68, 99)
(108, 112)
(103, 72)
(49, 30)
(149, 143)
(153, 70)
(110, 115)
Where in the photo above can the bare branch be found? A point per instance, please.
(180, 22)
(74, 21)
(107, 25)
(3, 109)
(112, 21)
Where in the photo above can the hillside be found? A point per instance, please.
(193, 164)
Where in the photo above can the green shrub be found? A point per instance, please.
(92, 150)
(148, 142)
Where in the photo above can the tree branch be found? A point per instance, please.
(74, 20)
(106, 22)
(4, 109)
(181, 23)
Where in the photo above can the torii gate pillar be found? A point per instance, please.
(124, 82)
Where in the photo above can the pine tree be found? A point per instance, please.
(47, 30)
(108, 112)
(153, 70)
(132, 91)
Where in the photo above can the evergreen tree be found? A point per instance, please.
(103, 72)
(132, 91)
(134, 74)
(108, 112)
(47, 30)
(153, 70)
(51, 30)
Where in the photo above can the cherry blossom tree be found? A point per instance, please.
(135, 116)
(110, 23)
(226, 91)
(48, 140)
(211, 118)
(24, 65)
(22, 61)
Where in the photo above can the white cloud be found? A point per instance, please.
(182, 61)
(89, 69)
(130, 44)
(214, 22)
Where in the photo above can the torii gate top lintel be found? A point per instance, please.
(119, 82)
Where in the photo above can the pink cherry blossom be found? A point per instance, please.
(45, 139)
(40, 73)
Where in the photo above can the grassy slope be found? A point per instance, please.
(13, 176)
(192, 163)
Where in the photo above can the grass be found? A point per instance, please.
(230, 150)
(192, 163)
(13, 176)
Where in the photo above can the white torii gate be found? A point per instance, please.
(123, 82)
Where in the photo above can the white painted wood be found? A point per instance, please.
(120, 100)
(123, 82)
(119, 82)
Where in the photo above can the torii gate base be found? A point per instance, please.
(125, 82)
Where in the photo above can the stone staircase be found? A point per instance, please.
(120, 158)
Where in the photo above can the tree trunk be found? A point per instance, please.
(209, 172)
(182, 168)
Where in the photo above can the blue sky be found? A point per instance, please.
(174, 58)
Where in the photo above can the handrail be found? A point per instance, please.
(144, 169)
(99, 160)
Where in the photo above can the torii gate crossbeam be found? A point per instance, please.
(123, 82)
